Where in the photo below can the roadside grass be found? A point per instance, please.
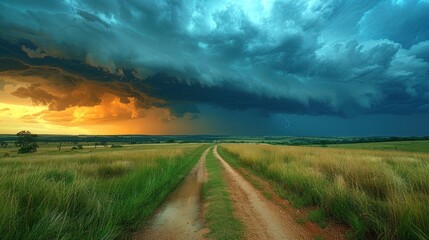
(94, 195)
(219, 213)
(318, 216)
(380, 194)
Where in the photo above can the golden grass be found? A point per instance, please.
(378, 193)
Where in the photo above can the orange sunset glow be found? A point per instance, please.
(90, 108)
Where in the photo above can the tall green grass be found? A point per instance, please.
(380, 194)
(220, 211)
(95, 195)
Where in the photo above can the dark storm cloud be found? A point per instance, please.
(60, 90)
(64, 83)
(401, 21)
(306, 57)
(231, 97)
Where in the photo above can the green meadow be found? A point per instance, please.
(380, 190)
(103, 193)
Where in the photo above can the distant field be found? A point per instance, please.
(380, 194)
(101, 193)
(410, 146)
(51, 148)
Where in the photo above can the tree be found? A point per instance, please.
(4, 144)
(26, 142)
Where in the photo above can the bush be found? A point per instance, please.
(29, 148)
(116, 146)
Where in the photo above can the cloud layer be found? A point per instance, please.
(337, 57)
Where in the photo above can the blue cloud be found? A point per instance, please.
(307, 57)
(400, 21)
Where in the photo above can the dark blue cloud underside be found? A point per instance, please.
(340, 58)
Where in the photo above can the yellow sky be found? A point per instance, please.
(83, 120)
(111, 116)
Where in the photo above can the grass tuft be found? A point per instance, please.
(318, 216)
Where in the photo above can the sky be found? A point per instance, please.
(238, 67)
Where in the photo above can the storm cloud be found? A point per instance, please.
(332, 58)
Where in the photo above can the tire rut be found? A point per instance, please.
(262, 218)
(180, 216)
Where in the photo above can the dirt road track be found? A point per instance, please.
(180, 215)
(262, 218)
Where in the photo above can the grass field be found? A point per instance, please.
(51, 148)
(408, 146)
(219, 214)
(101, 193)
(382, 194)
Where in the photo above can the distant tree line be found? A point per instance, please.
(147, 139)
(318, 141)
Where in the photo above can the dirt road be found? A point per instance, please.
(180, 215)
(263, 219)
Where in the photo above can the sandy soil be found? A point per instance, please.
(262, 218)
(180, 216)
(333, 231)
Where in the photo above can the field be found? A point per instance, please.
(379, 194)
(102, 193)
(355, 191)
(408, 146)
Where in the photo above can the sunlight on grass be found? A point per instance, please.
(94, 195)
(375, 192)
